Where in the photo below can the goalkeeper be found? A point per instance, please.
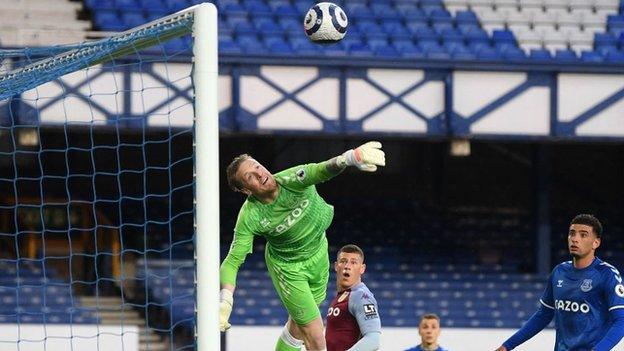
(286, 209)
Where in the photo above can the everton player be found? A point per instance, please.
(429, 330)
(353, 322)
(585, 295)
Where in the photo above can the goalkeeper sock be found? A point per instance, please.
(287, 342)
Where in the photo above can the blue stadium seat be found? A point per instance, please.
(436, 52)
(108, 20)
(386, 51)
(303, 6)
(513, 53)
(461, 52)
(440, 16)
(605, 39)
(335, 50)
(234, 10)
(258, 8)
(410, 51)
(127, 5)
(101, 5)
(477, 46)
(415, 26)
(427, 34)
(132, 19)
(349, 41)
(466, 17)
(154, 6)
(565, 55)
(175, 5)
(395, 29)
(371, 29)
(376, 43)
(488, 53)
(291, 25)
(278, 46)
(500, 36)
(384, 11)
(245, 29)
(439, 27)
(477, 35)
(413, 14)
(267, 27)
(286, 10)
(591, 56)
(615, 57)
(615, 24)
(540, 55)
(359, 11)
(451, 35)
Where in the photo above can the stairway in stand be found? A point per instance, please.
(112, 312)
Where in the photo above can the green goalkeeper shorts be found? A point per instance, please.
(302, 286)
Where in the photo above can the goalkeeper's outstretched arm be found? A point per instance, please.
(365, 157)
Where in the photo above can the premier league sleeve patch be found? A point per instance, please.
(370, 311)
(301, 174)
(619, 290)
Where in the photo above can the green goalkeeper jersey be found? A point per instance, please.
(293, 225)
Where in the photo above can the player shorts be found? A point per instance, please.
(302, 286)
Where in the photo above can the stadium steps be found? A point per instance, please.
(110, 310)
(20, 37)
(41, 23)
(37, 5)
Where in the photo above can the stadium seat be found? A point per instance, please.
(127, 5)
(258, 8)
(539, 54)
(108, 20)
(566, 55)
(132, 19)
(615, 57)
(591, 56)
(487, 53)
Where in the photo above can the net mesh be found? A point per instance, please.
(96, 193)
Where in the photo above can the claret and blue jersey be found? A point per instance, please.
(585, 303)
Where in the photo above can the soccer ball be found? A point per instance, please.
(325, 23)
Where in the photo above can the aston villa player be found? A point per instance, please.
(353, 322)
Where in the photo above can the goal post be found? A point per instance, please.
(109, 175)
(205, 75)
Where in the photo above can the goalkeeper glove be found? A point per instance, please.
(225, 309)
(366, 157)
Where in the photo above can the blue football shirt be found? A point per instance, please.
(582, 300)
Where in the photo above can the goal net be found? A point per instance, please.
(108, 149)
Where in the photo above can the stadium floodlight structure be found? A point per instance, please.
(94, 187)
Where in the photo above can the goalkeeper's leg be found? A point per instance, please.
(302, 287)
(290, 340)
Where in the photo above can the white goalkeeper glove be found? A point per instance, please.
(225, 309)
(366, 157)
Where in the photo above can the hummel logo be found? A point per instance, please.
(559, 283)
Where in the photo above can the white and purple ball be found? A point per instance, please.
(325, 23)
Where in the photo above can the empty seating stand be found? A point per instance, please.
(29, 296)
(494, 30)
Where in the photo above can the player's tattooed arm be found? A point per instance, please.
(335, 165)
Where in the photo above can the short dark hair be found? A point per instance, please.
(590, 220)
(231, 170)
(351, 248)
(429, 316)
